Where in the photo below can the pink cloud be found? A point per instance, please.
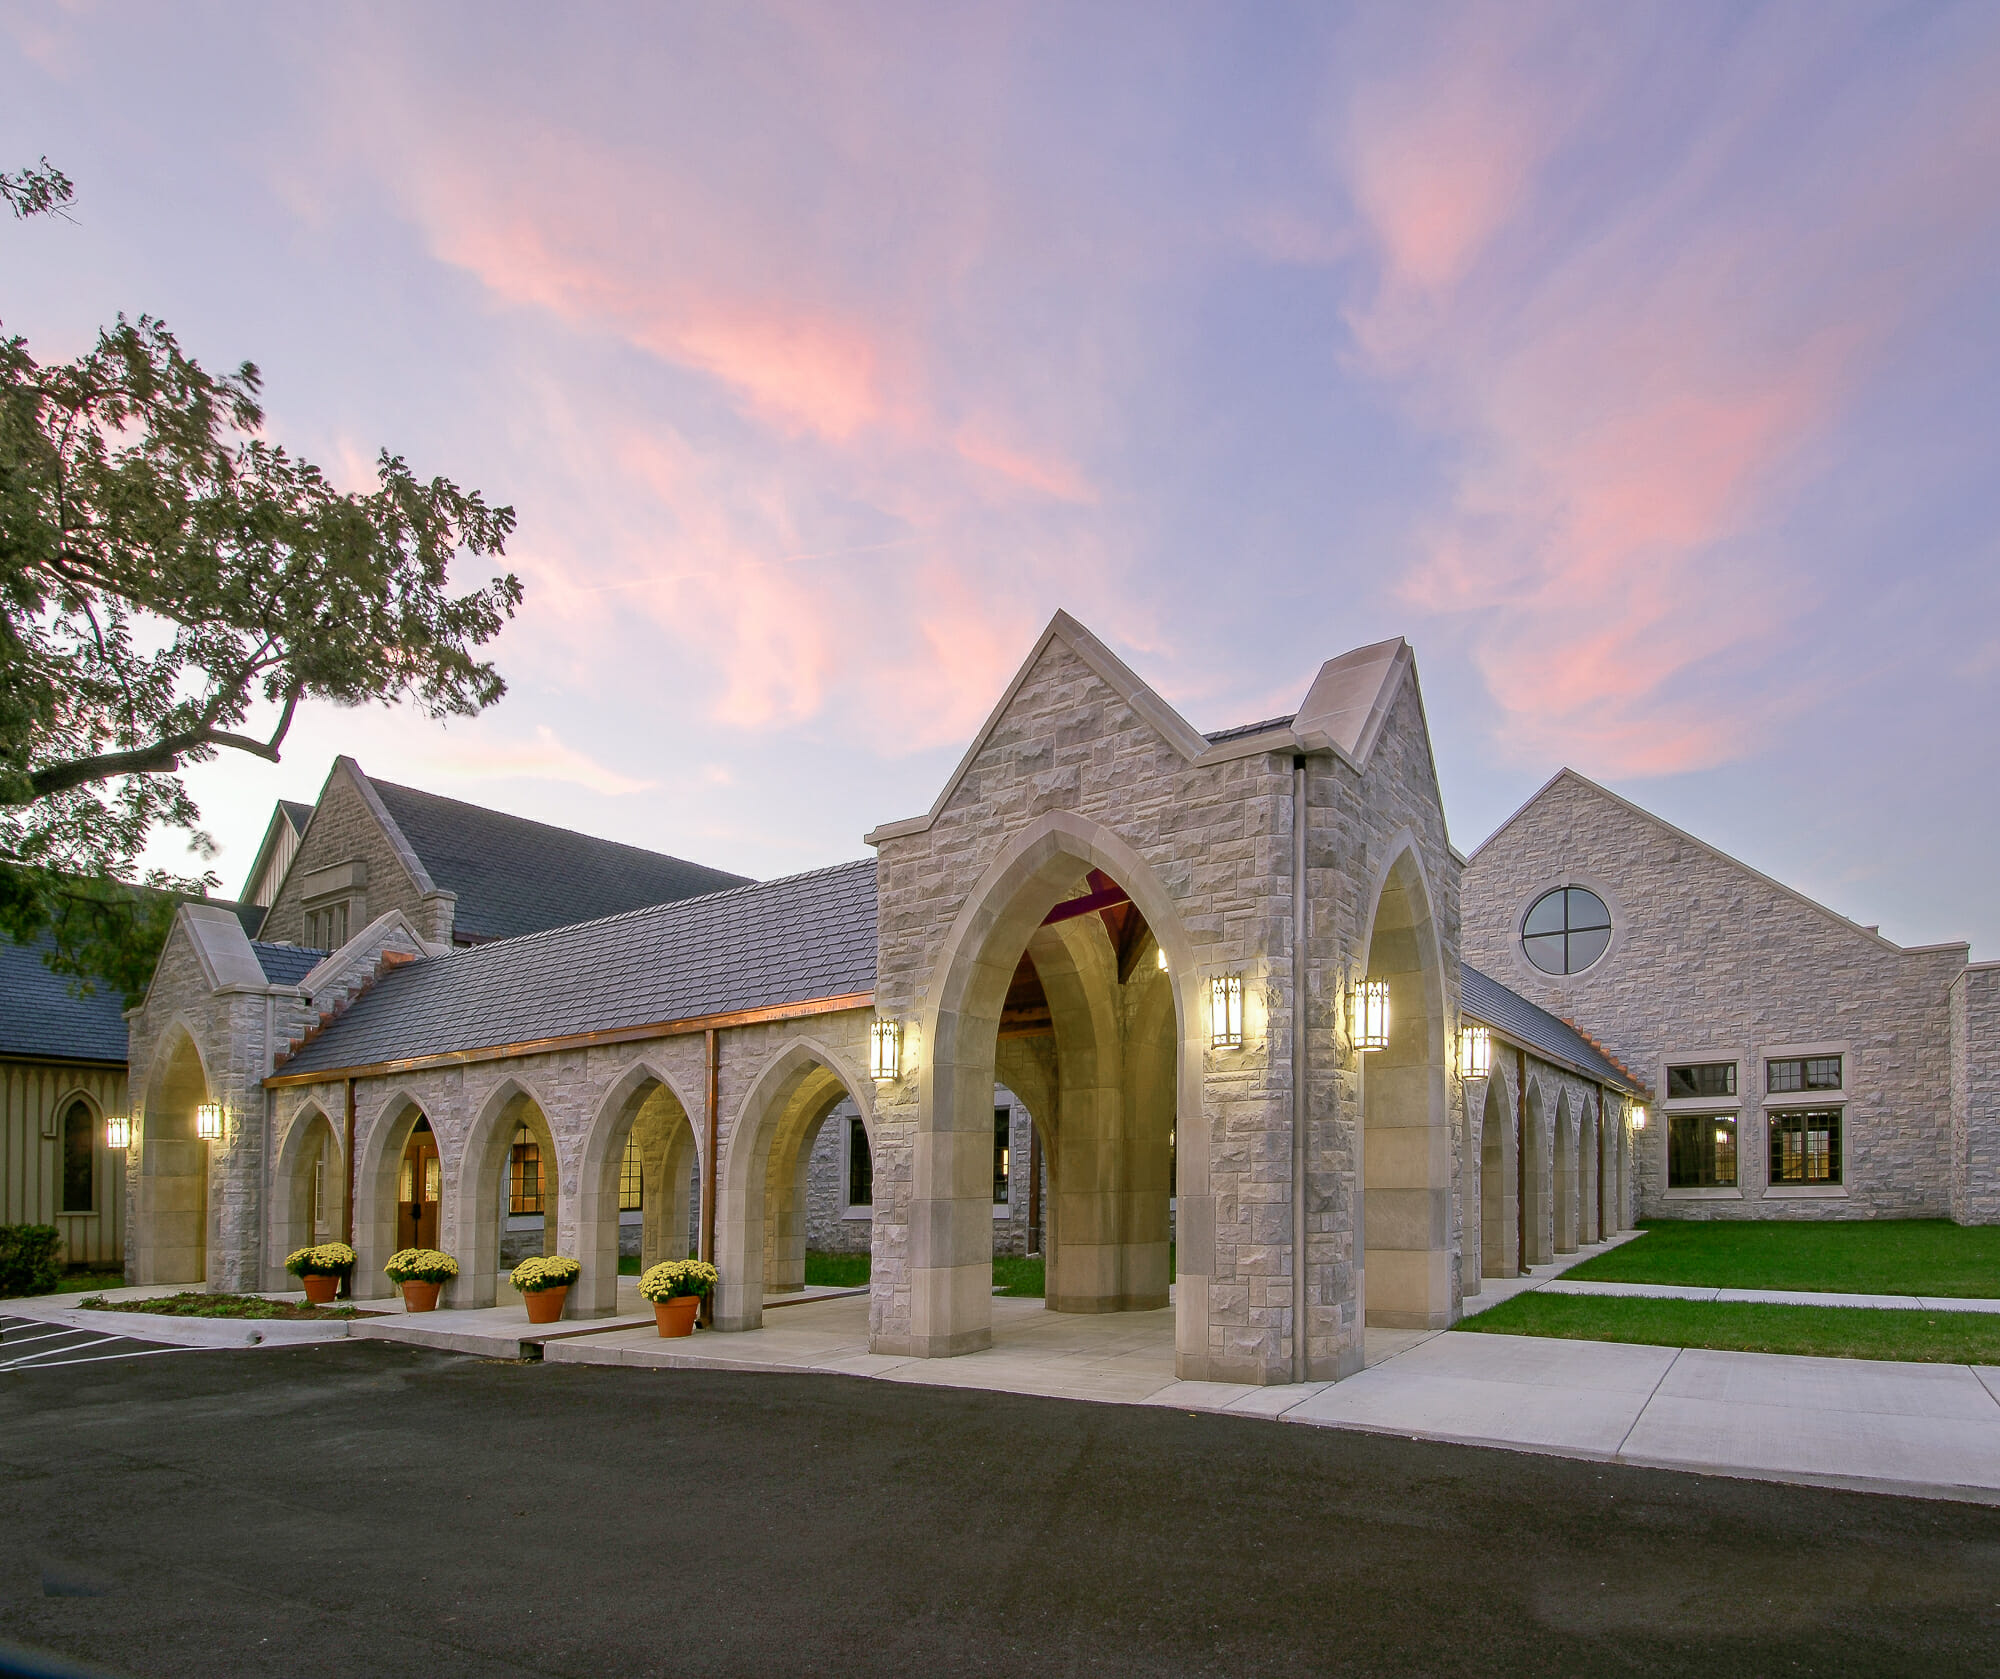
(1044, 474)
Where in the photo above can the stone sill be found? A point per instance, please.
(1717, 1194)
(860, 1213)
(1805, 1192)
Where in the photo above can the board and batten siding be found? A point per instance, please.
(33, 1098)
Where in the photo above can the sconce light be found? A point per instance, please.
(885, 1051)
(1638, 1119)
(1225, 1011)
(1162, 952)
(1371, 1014)
(117, 1131)
(208, 1121)
(1475, 1052)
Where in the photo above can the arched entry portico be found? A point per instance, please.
(760, 1203)
(1499, 1186)
(1406, 1153)
(478, 1197)
(171, 1243)
(1565, 1176)
(378, 1211)
(1125, 1073)
(1537, 1214)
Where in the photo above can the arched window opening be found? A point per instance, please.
(631, 1178)
(79, 1175)
(524, 1175)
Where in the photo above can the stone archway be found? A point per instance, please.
(645, 1110)
(1565, 1176)
(760, 1224)
(309, 1190)
(1538, 1212)
(1499, 1187)
(171, 1234)
(480, 1193)
(1406, 1148)
(379, 1161)
(1125, 1073)
(1590, 1196)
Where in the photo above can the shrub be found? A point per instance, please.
(420, 1265)
(673, 1278)
(329, 1259)
(28, 1258)
(531, 1276)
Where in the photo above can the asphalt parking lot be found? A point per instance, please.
(369, 1508)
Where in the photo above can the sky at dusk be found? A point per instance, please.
(1638, 364)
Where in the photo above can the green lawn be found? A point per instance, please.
(1861, 1256)
(1730, 1326)
(87, 1282)
(1021, 1278)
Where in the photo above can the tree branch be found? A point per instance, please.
(162, 756)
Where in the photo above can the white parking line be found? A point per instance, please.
(106, 1358)
(48, 1332)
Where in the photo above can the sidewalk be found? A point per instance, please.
(1771, 1296)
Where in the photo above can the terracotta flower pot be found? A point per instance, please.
(545, 1304)
(320, 1290)
(676, 1316)
(420, 1297)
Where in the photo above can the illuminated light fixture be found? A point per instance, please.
(1163, 958)
(1225, 1011)
(1475, 1052)
(1722, 1136)
(117, 1131)
(885, 1051)
(208, 1121)
(1638, 1119)
(1371, 1014)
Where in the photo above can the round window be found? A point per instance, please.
(1566, 931)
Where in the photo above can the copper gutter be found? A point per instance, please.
(1521, 1160)
(708, 1172)
(347, 1200)
(585, 1040)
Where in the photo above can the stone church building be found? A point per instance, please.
(1218, 1020)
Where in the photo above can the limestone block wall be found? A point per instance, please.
(1710, 961)
(1975, 1095)
(345, 828)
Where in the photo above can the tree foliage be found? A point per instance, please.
(172, 585)
(40, 189)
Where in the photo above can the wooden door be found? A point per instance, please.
(418, 1191)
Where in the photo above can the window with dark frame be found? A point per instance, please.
(1800, 1073)
(1701, 1151)
(1566, 931)
(1003, 1152)
(1701, 1081)
(860, 1166)
(1805, 1145)
(79, 1142)
(326, 927)
(631, 1179)
(524, 1175)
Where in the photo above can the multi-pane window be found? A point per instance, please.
(860, 1166)
(1802, 1073)
(1566, 931)
(1805, 1145)
(319, 1195)
(1703, 1081)
(79, 1160)
(1003, 1152)
(524, 1174)
(1701, 1151)
(631, 1180)
(326, 927)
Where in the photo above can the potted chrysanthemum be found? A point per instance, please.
(677, 1287)
(544, 1285)
(420, 1273)
(321, 1269)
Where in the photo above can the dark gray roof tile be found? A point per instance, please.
(1485, 998)
(40, 1017)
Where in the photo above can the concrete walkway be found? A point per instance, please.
(1771, 1296)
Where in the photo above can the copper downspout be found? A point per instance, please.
(347, 1201)
(708, 1174)
(1521, 1161)
(1301, 1154)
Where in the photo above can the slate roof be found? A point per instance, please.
(1485, 998)
(40, 1018)
(794, 940)
(295, 813)
(286, 964)
(514, 876)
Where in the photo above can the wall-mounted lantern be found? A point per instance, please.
(208, 1121)
(1163, 958)
(1638, 1119)
(1475, 1052)
(885, 1052)
(117, 1131)
(1225, 1011)
(1371, 1014)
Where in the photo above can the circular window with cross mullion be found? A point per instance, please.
(1566, 931)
